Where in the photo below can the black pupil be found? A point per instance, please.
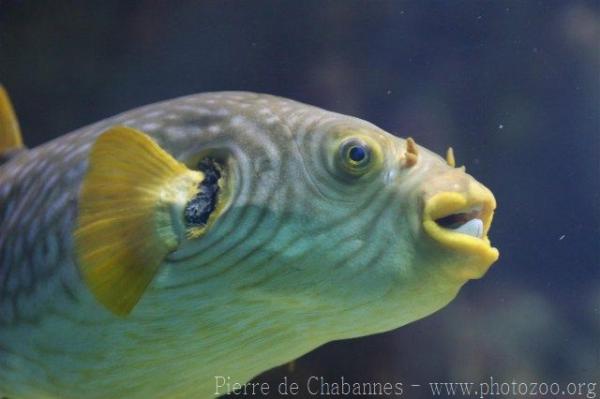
(357, 153)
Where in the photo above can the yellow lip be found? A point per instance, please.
(445, 204)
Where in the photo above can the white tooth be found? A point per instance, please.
(473, 227)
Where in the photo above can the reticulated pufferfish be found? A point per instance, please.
(218, 234)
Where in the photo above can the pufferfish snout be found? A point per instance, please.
(453, 210)
(457, 215)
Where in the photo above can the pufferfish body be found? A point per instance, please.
(218, 234)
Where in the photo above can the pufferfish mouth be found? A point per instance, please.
(461, 222)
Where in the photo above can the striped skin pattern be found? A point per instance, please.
(302, 256)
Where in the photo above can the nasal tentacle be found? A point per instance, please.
(411, 155)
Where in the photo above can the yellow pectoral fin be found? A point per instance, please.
(126, 226)
(10, 134)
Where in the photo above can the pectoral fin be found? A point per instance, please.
(10, 133)
(130, 203)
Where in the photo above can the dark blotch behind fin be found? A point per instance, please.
(199, 209)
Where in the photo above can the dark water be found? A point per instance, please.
(514, 86)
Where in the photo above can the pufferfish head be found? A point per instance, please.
(322, 219)
(352, 224)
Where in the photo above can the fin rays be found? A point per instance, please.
(124, 228)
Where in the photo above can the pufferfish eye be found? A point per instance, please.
(357, 154)
(355, 157)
